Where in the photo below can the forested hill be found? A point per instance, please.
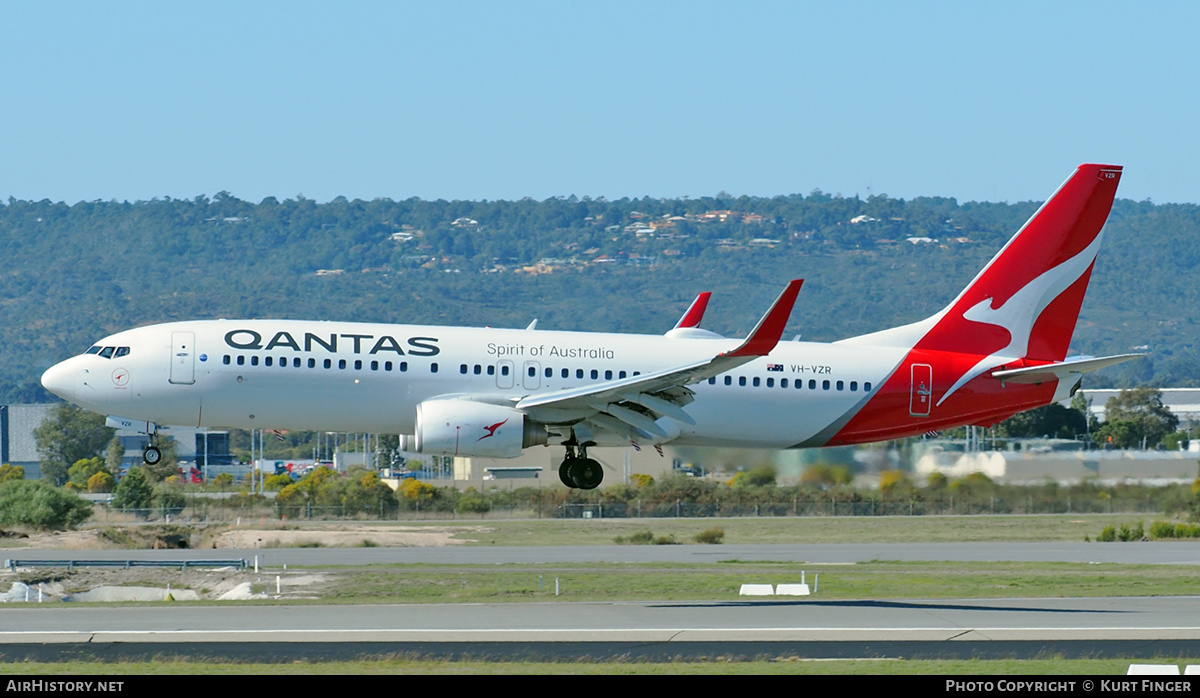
(74, 273)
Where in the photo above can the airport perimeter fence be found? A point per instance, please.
(251, 509)
(827, 507)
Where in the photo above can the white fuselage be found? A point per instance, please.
(298, 375)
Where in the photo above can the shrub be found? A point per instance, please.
(1162, 529)
(666, 540)
(642, 480)
(169, 502)
(473, 503)
(133, 491)
(639, 538)
(711, 536)
(274, 483)
(1183, 530)
(101, 482)
(1108, 534)
(39, 504)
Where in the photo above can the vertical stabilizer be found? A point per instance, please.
(1025, 302)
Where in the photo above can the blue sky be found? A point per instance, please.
(502, 100)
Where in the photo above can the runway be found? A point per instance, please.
(1145, 626)
(802, 627)
(1172, 553)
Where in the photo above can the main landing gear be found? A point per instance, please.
(579, 471)
(151, 454)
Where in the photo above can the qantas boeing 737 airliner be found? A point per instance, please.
(998, 348)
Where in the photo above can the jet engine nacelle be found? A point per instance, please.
(466, 428)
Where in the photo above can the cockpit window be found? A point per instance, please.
(93, 350)
(107, 352)
(121, 351)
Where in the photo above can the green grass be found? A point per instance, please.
(720, 582)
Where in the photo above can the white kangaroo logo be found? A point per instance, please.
(1022, 309)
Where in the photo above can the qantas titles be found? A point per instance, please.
(250, 339)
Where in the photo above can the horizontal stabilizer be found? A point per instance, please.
(1060, 370)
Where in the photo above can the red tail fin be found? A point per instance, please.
(1026, 300)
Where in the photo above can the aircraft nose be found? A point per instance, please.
(60, 379)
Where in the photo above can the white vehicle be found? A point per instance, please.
(999, 348)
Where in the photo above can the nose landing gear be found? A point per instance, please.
(579, 471)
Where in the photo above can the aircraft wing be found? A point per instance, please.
(636, 402)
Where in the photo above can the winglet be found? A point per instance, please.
(769, 329)
(695, 312)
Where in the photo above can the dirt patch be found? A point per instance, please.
(342, 536)
(57, 540)
(219, 536)
(207, 583)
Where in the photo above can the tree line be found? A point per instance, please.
(77, 272)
